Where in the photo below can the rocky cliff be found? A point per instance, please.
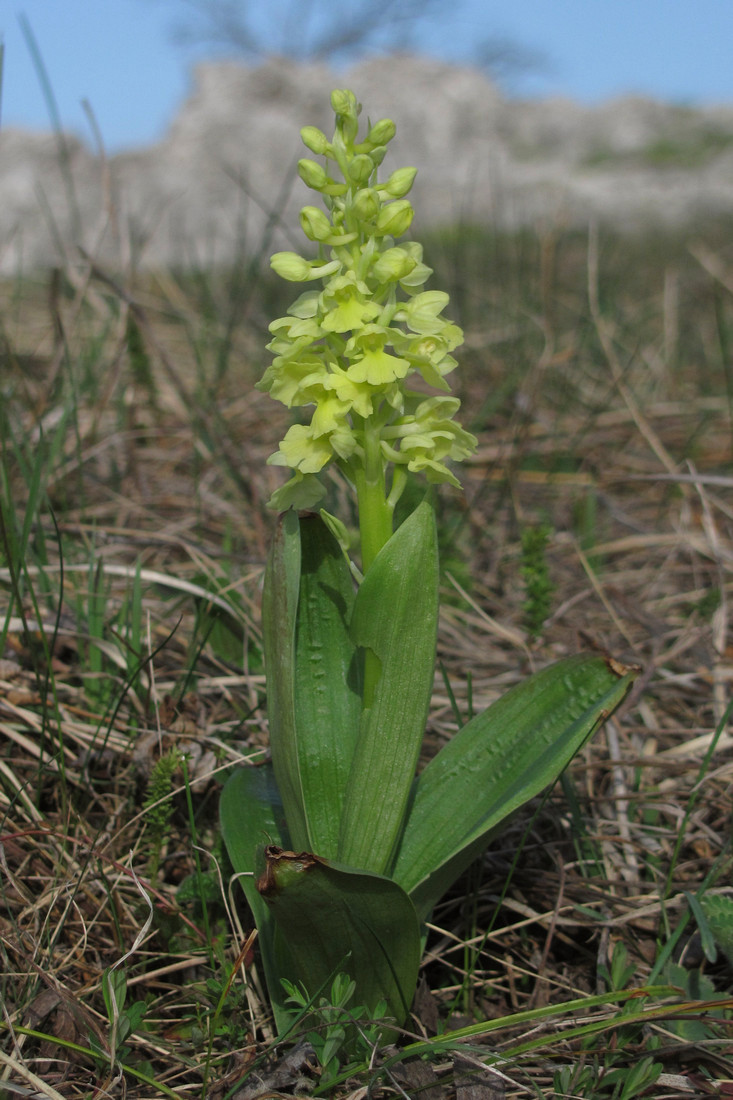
(224, 176)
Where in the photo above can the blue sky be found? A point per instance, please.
(119, 55)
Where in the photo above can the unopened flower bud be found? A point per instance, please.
(290, 266)
(361, 168)
(315, 224)
(312, 174)
(315, 140)
(382, 131)
(344, 103)
(347, 114)
(366, 204)
(395, 219)
(399, 183)
(392, 265)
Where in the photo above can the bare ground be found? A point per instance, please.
(151, 515)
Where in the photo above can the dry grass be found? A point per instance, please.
(132, 628)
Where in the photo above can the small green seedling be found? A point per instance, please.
(123, 1020)
(342, 1034)
(538, 586)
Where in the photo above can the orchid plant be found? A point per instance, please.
(343, 848)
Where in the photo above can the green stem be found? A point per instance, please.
(375, 529)
(375, 513)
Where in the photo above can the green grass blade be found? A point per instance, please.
(498, 761)
(396, 617)
(338, 920)
(62, 144)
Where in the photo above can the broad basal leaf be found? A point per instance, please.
(498, 761)
(336, 920)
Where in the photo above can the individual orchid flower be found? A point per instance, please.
(427, 437)
(369, 362)
(347, 304)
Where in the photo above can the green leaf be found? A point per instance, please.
(251, 816)
(336, 920)
(718, 911)
(328, 683)
(279, 617)
(496, 763)
(396, 618)
(707, 939)
(313, 677)
(114, 991)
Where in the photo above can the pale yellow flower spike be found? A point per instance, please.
(349, 348)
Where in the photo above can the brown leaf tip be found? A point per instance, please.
(278, 863)
(619, 669)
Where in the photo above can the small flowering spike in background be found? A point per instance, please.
(350, 348)
(341, 848)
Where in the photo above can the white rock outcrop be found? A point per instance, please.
(222, 183)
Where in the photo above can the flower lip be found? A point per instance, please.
(348, 304)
